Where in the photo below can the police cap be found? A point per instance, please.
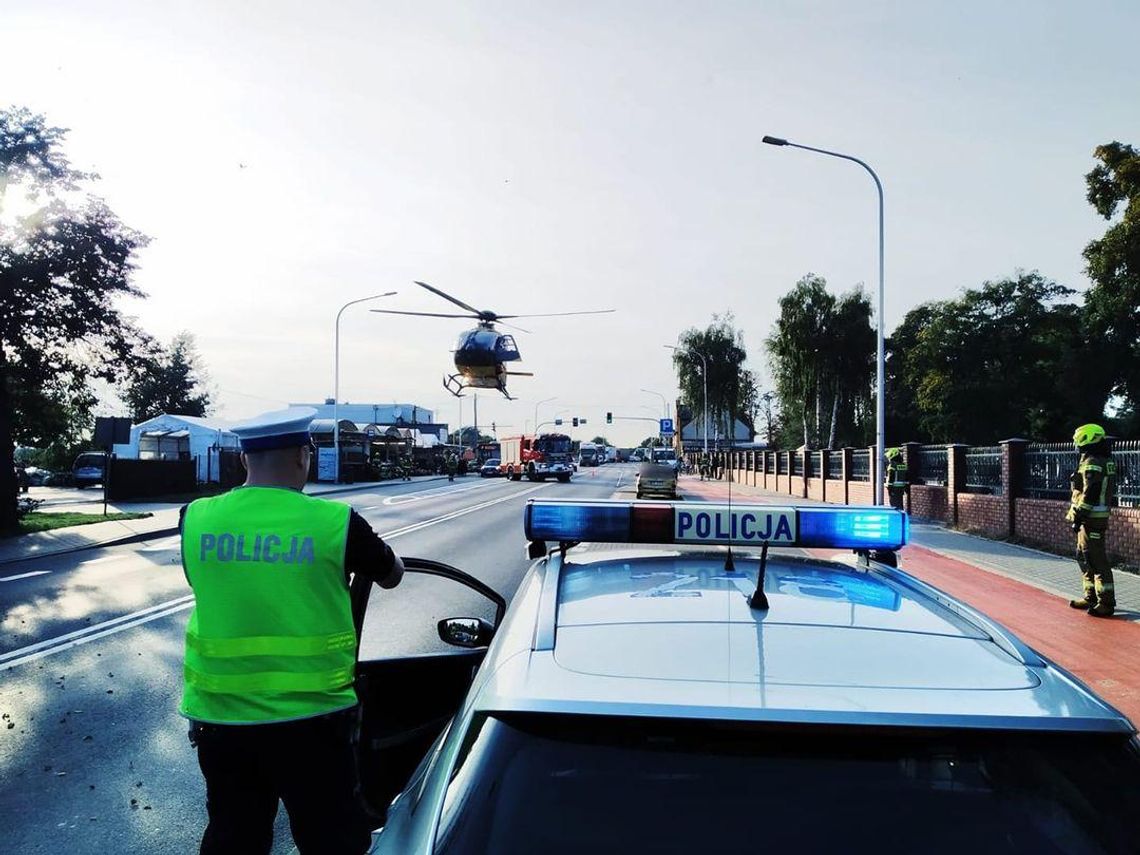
(279, 429)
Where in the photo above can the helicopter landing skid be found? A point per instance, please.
(455, 385)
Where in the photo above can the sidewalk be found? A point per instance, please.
(1021, 588)
(163, 522)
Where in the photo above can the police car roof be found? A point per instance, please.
(666, 632)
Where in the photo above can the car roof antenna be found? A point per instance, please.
(729, 564)
(759, 600)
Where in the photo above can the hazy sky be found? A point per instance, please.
(536, 157)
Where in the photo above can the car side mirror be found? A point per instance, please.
(466, 631)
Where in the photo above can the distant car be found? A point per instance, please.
(656, 479)
(668, 457)
(89, 468)
(490, 468)
(37, 477)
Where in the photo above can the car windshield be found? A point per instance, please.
(668, 454)
(86, 461)
(494, 461)
(574, 784)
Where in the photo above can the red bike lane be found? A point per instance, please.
(1101, 652)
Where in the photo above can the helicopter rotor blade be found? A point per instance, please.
(512, 326)
(558, 314)
(449, 298)
(420, 314)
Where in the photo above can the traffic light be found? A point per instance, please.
(558, 422)
(575, 421)
(609, 418)
(493, 428)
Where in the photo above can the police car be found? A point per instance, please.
(681, 678)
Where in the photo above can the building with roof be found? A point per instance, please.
(170, 436)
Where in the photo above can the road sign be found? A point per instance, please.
(666, 427)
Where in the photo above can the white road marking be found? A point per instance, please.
(100, 630)
(89, 633)
(419, 496)
(25, 575)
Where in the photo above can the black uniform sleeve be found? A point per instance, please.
(365, 553)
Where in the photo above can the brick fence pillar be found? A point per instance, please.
(955, 479)
(824, 464)
(803, 485)
(847, 475)
(876, 473)
(1012, 472)
(910, 459)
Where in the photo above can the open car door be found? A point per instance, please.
(407, 701)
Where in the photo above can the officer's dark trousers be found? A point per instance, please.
(307, 764)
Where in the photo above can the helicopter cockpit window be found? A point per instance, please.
(506, 346)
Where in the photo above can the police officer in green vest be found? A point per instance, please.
(896, 479)
(271, 648)
(1093, 491)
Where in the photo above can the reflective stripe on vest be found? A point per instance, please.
(271, 636)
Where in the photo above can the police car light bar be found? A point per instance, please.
(609, 521)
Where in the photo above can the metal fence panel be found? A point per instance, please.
(983, 470)
(931, 466)
(816, 465)
(797, 463)
(1127, 457)
(861, 465)
(781, 463)
(835, 465)
(1046, 469)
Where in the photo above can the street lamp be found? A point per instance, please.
(336, 375)
(664, 402)
(880, 379)
(705, 379)
(537, 405)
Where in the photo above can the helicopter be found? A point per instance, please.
(481, 354)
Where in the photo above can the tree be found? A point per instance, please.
(821, 351)
(651, 442)
(600, 440)
(1000, 361)
(731, 387)
(1112, 304)
(168, 380)
(64, 259)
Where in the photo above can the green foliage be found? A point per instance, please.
(64, 260)
(168, 380)
(731, 386)
(821, 351)
(1008, 359)
(600, 440)
(1112, 304)
(651, 442)
(48, 521)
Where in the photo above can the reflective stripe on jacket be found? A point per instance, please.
(271, 636)
(1093, 488)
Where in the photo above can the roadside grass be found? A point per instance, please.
(42, 521)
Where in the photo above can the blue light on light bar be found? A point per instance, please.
(853, 528)
(597, 522)
(607, 521)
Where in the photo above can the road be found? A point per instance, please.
(93, 756)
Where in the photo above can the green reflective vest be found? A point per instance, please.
(271, 636)
(896, 474)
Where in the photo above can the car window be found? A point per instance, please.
(572, 784)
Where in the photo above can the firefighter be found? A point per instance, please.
(896, 480)
(452, 466)
(271, 647)
(1093, 491)
(705, 466)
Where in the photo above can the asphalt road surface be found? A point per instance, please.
(93, 755)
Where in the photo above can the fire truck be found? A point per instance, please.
(537, 457)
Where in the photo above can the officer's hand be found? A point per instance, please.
(395, 574)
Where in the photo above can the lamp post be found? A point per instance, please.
(705, 380)
(880, 373)
(664, 402)
(336, 375)
(537, 405)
